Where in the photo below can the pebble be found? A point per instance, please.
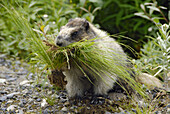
(168, 110)
(142, 104)
(44, 103)
(35, 97)
(23, 101)
(62, 100)
(158, 112)
(38, 100)
(64, 109)
(12, 79)
(20, 111)
(27, 85)
(3, 98)
(9, 102)
(73, 107)
(3, 92)
(88, 108)
(21, 104)
(108, 112)
(30, 100)
(25, 91)
(66, 103)
(55, 96)
(11, 107)
(134, 110)
(29, 107)
(4, 109)
(49, 92)
(24, 82)
(11, 95)
(168, 106)
(3, 80)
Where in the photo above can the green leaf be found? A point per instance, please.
(46, 29)
(141, 14)
(82, 2)
(142, 7)
(152, 8)
(156, 20)
(32, 4)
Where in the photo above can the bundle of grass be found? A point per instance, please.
(85, 54)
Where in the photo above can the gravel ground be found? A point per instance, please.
(21, 95)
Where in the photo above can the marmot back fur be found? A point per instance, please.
(74, 31)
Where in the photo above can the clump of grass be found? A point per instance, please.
(84, 54)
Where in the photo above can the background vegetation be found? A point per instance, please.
(111, 15)
(46, 17)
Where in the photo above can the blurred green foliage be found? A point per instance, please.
(47, 16)
(156, 52)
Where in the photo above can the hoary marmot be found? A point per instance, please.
(74, 31)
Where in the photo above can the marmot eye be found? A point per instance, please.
(74, 33)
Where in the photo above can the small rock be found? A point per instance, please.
(35, 103)
(158, 112)
(168, 110)
(38, 100)
(30, 100)
(29, 107)
(30, 91)
(3, 109)
(3, 98)
(3, 92)
(49, 92)
(27, 85)
(73, 107)
(12, 79)
(62, 100)
(134, 110)
(88, 108)
(149, 80)
(24, 82)
(47, 111)
(17, 62)
(30, 76)
(55, 96)
(21, 104)
(142, 104)
(11, 95)
(30, 111)
(44, 103)
(10, 101)
(67, 103)
(168, 106)
(64, 109)
(35, 97)
(23, 101)
(20, 111)
(25, 91)
(11, 107)
(3, 80)
(108, 112)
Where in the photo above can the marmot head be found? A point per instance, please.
(74, 31)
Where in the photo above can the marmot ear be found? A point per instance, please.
(86, 25)
(70, 20)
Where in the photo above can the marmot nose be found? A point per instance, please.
(59, 43)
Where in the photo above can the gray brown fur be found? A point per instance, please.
(76, 30)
